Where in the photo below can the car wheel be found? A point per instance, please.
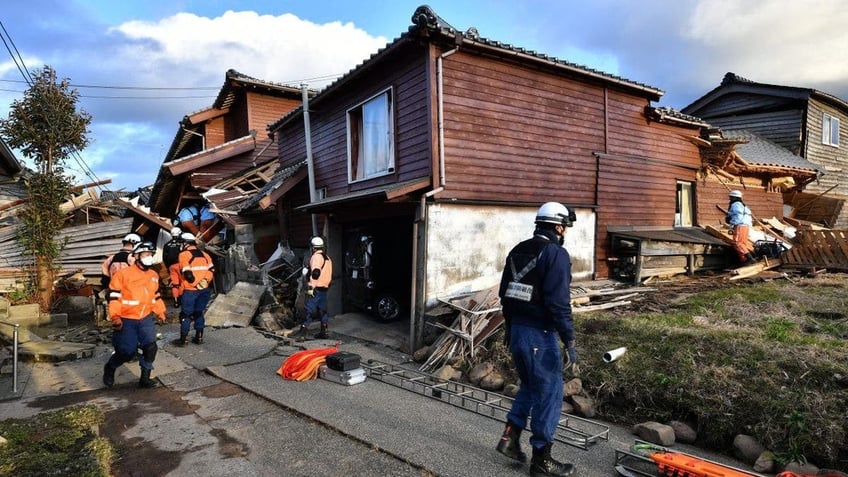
(386, 307)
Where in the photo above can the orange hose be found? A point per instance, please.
(303, 365)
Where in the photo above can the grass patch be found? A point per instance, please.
(62, 442)
(744, 359)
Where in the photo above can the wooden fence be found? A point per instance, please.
(818, 249)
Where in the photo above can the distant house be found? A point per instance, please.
(438, 149)
(222, 155)
(13, 193)
(806, 122)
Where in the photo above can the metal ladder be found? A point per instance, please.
(571, 430)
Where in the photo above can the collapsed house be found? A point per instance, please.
(429, 159)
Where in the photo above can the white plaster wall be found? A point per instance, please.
(467, 245)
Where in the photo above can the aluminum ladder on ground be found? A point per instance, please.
(571, 430)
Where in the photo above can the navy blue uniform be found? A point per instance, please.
(536, 304)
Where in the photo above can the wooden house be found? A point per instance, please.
(439, 148)
(804, 121)
(222, 155)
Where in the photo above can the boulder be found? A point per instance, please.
(510, 390)
(477, 373)
(747, 449)
(420, 355)
(446, 373)
(572, 387)
(765, 462)
(583, 405)
(683, 432)
(492, 381)
(655, 433)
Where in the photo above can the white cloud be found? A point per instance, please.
(280, 48)
(795, 43)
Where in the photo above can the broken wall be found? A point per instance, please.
(468, 244)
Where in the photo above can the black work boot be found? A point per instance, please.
(198, 337)
(145, 381)
(510, 443)
(182, 340)
(108, 375)
(543, 464)
(750, 259)
(322, 335)
(299, 334)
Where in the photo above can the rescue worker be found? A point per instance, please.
(197, 272)
(122, 259)
(739, 217)
(171, 259)
(535, 296)
(318, 274)
(134, 303)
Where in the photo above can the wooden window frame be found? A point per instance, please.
(356, 164)
(830, 136)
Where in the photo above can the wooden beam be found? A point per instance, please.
(210, 156)
(280, 191)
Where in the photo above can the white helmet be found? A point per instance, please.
(736, 193)
(176, 232)
(188, 237)
(317, 242)
(555, 213)
(131, 238)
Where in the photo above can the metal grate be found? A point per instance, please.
(571, 430)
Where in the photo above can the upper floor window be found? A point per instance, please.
(370, 138)
(830, 130)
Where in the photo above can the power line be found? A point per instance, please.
(16, 57)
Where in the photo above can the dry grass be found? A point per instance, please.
(767, 358)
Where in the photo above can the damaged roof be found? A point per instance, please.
(427, 24)
(759, 151)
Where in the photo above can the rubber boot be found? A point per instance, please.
(198, 337)
(145, 381)
(510, 443)
(108, 375)
(323, 335)
(182, 340)
(543, 464)
(299, 334)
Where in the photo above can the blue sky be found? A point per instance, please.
(110, 49)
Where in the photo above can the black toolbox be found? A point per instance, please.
(343, 361)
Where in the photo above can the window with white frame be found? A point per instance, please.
(370, 138)
(830, 130)
(684, 211)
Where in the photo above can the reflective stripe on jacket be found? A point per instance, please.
(201, 266)
(134, 294)
(319, 261)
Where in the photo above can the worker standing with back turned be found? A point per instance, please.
(536, 298)
(740, 219)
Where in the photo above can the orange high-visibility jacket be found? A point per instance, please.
(201, 266)
(134, 294)
(324, 266)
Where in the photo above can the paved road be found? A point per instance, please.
(223, 411)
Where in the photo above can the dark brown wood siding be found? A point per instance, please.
(405, 74)
(518, 135)
(637, 177)
(713, 192)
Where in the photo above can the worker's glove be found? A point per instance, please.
(571, 359)
(310, 291)
(117, 325)
(189, 276)
(177, 302)
(305, 271)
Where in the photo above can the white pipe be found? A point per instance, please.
(613, 355)
(441, 114)
(310, 167)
